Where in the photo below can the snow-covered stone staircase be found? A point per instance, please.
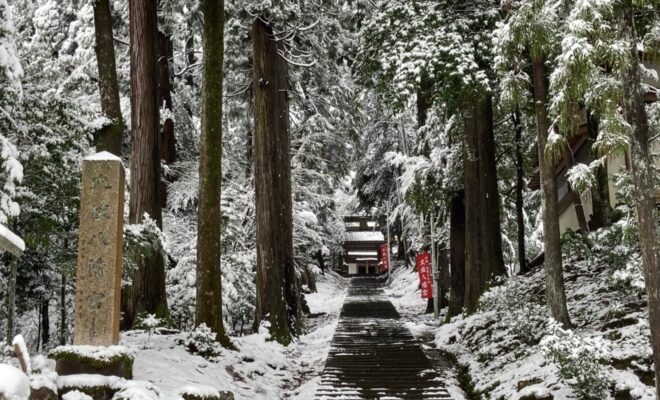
(373, 355)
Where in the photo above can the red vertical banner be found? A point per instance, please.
(383, 257)
(424, 270)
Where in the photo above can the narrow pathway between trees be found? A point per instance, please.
(373, 354)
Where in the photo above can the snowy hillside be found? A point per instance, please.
(510, 350)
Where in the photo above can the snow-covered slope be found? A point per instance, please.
(507, 347)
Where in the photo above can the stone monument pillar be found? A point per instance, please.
(100, 245)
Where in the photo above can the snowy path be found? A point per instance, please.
(373, 354)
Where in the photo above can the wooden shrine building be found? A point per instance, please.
(362, 240)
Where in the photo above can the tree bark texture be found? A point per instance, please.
(472, 204)
(110, 137)
(492, 260)
(642, 171)
(278, 299)
(555, 293)
(483, 241)
(190, 52)
(63, 311)
(520, 188)
(443, 268)
(320, 260)
(45, 323)
(167, 138)
(208, 308)
(457, 255)
(147, 293)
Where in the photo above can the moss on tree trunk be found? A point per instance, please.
(208, 309)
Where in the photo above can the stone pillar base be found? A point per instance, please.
(96, 360)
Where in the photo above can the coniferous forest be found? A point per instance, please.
(318, 199)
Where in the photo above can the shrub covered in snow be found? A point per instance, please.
(141, 240)
(149, 322)
(518, 308)
(202, 341)
(578, 360)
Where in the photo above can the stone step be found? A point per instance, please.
(373, 355)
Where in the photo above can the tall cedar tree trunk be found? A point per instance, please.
(483, 242)
(321, 261)
(443, 268)
(642, 171)
(600, 194)
(110, 137)
(278, 298)
(208, 309)
(457, 254)
(63, 311)
(401, 254)
(492, 259)
(555, 293)
(167, 139)
(190, 52)
(147, 293)
(520, 187)
(45, 323)
(424, 102)
(472, 204)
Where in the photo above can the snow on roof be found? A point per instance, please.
(363, 253)
(364, 236)
(366, 259)
(10, 242)
(104, 155)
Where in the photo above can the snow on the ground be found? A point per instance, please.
(502, 345)
(76, 395)
(404, 292)
(14, 384)
(260, 369)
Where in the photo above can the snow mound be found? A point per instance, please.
(14, 384)
(199, 391)
(76, 395)
(137, 390)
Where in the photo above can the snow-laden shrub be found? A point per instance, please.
(517, 309)
(140, 241)
(578, 361)
(615, 244)
(617, 247)
(202, 341)
(630, 279)
(576, 246)
(181, 292)
(239, 290)
(149, 322)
